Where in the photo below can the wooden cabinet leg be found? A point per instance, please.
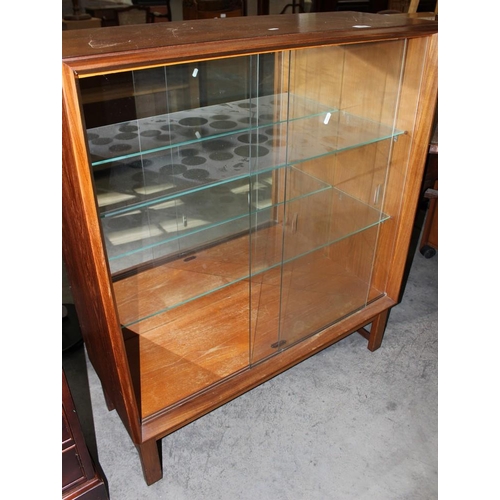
(377, 330)
(150, 455)
(109, 404)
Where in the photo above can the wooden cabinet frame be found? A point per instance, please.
(96, 51)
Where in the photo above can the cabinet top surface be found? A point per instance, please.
(127, 46)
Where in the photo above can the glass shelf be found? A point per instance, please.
(158, 178)
(192, 194)
(322, 135)
(157, 134)
(247, 256)
(197, 218)
(138, 181)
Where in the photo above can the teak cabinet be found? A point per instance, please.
(238, 194)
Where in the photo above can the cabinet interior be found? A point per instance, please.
(244, 203)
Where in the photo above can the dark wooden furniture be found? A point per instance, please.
(117, 14)
(193, 289)
(80, 478)
(297, 6)
(327, 6)
(413, 6)
(160, 9)
(429, 238)
(106, 11)
(210, 9)
(134, 14)
(92, 22)
(349, 5)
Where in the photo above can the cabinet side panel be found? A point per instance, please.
(86, 266)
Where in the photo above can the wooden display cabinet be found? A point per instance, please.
(254, 207)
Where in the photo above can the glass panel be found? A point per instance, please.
(393, 191)
(173, 154)
(270, 248)
(180, 163)
(330, 240)
(241, 200)
(326, 285)
(195, 345)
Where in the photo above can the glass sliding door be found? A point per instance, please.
(339, 130)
